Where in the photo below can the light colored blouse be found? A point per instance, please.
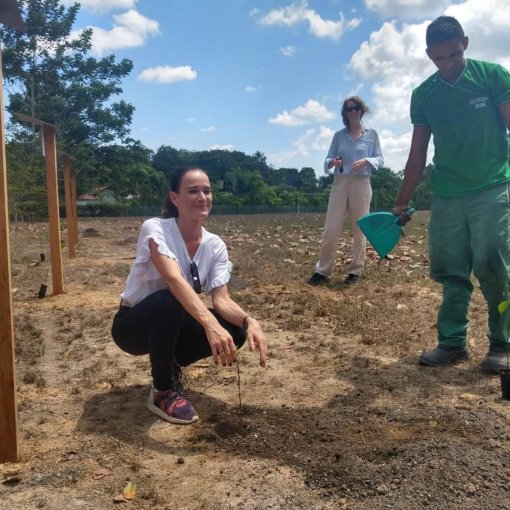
(367, 147)
(211, 258)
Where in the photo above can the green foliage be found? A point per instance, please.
(423, 195)
(52, 77)
(217, 162)
(385, 187)
(307, 180)
(26, 180)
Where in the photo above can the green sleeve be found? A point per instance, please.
(500, 85)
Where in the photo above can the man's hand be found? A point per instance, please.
(400, 210)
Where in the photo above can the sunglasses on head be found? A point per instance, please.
(356, 108)
(197, 286)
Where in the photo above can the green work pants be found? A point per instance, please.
(471, 235)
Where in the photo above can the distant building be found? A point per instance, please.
(101, 195)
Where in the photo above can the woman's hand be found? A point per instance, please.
(257, 339)
(357, 166)
(336, 162)
(222, 345)
(233, 313)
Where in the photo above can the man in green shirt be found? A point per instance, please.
(465, 106)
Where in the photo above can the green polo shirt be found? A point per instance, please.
(470, 136)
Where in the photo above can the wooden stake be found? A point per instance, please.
(75, 205)
(71, 237)
(50, 156)
(8, 413)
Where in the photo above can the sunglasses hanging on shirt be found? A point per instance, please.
(197, 286)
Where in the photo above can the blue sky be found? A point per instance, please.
(270, 75)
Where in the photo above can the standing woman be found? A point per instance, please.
(160, 312)
(354, 152)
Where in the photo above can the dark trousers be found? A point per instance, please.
(159, 326)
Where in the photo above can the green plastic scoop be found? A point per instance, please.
(383, 230)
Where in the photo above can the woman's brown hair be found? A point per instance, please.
(359, 102)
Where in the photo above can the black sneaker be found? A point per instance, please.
(443, 355)
(317, 279)
(498, 357)
(351, 278)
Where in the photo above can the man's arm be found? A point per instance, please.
(414, 167)
(505, 112)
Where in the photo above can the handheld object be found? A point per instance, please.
(383, 230)
(340, 169)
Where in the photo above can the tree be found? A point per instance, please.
(53, 78)
(167, 159)
(307, 180)
(422, 197)
(288, 176)
(27, 182)
(128, 171)
(385, 186)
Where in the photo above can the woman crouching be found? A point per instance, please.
(160, 312)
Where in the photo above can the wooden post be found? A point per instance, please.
(8, 412)
(75, 205)
(71, 237)
(50, 156)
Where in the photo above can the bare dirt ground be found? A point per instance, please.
(342, 418)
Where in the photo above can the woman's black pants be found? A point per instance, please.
(159, 326)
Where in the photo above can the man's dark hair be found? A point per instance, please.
(442, 29)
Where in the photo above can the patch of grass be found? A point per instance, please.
(118, 269)
(29, 345)
(32, 376)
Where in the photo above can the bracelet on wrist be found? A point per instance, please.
(245, 321)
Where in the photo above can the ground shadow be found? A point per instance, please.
(349, 447)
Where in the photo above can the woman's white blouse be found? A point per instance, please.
(211, 258)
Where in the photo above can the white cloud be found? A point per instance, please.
(209, 129)
(323, 140)
(486, 24)
(408, 9)
(226, 147)
(311, 144)
(395, 148)
(288, 51)
(167, 74)
(103, 5)
(312, 111)
(249, 88)
(302, 150)
(131, 29)
(298, 12)
(393, 61)
(393, 53)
